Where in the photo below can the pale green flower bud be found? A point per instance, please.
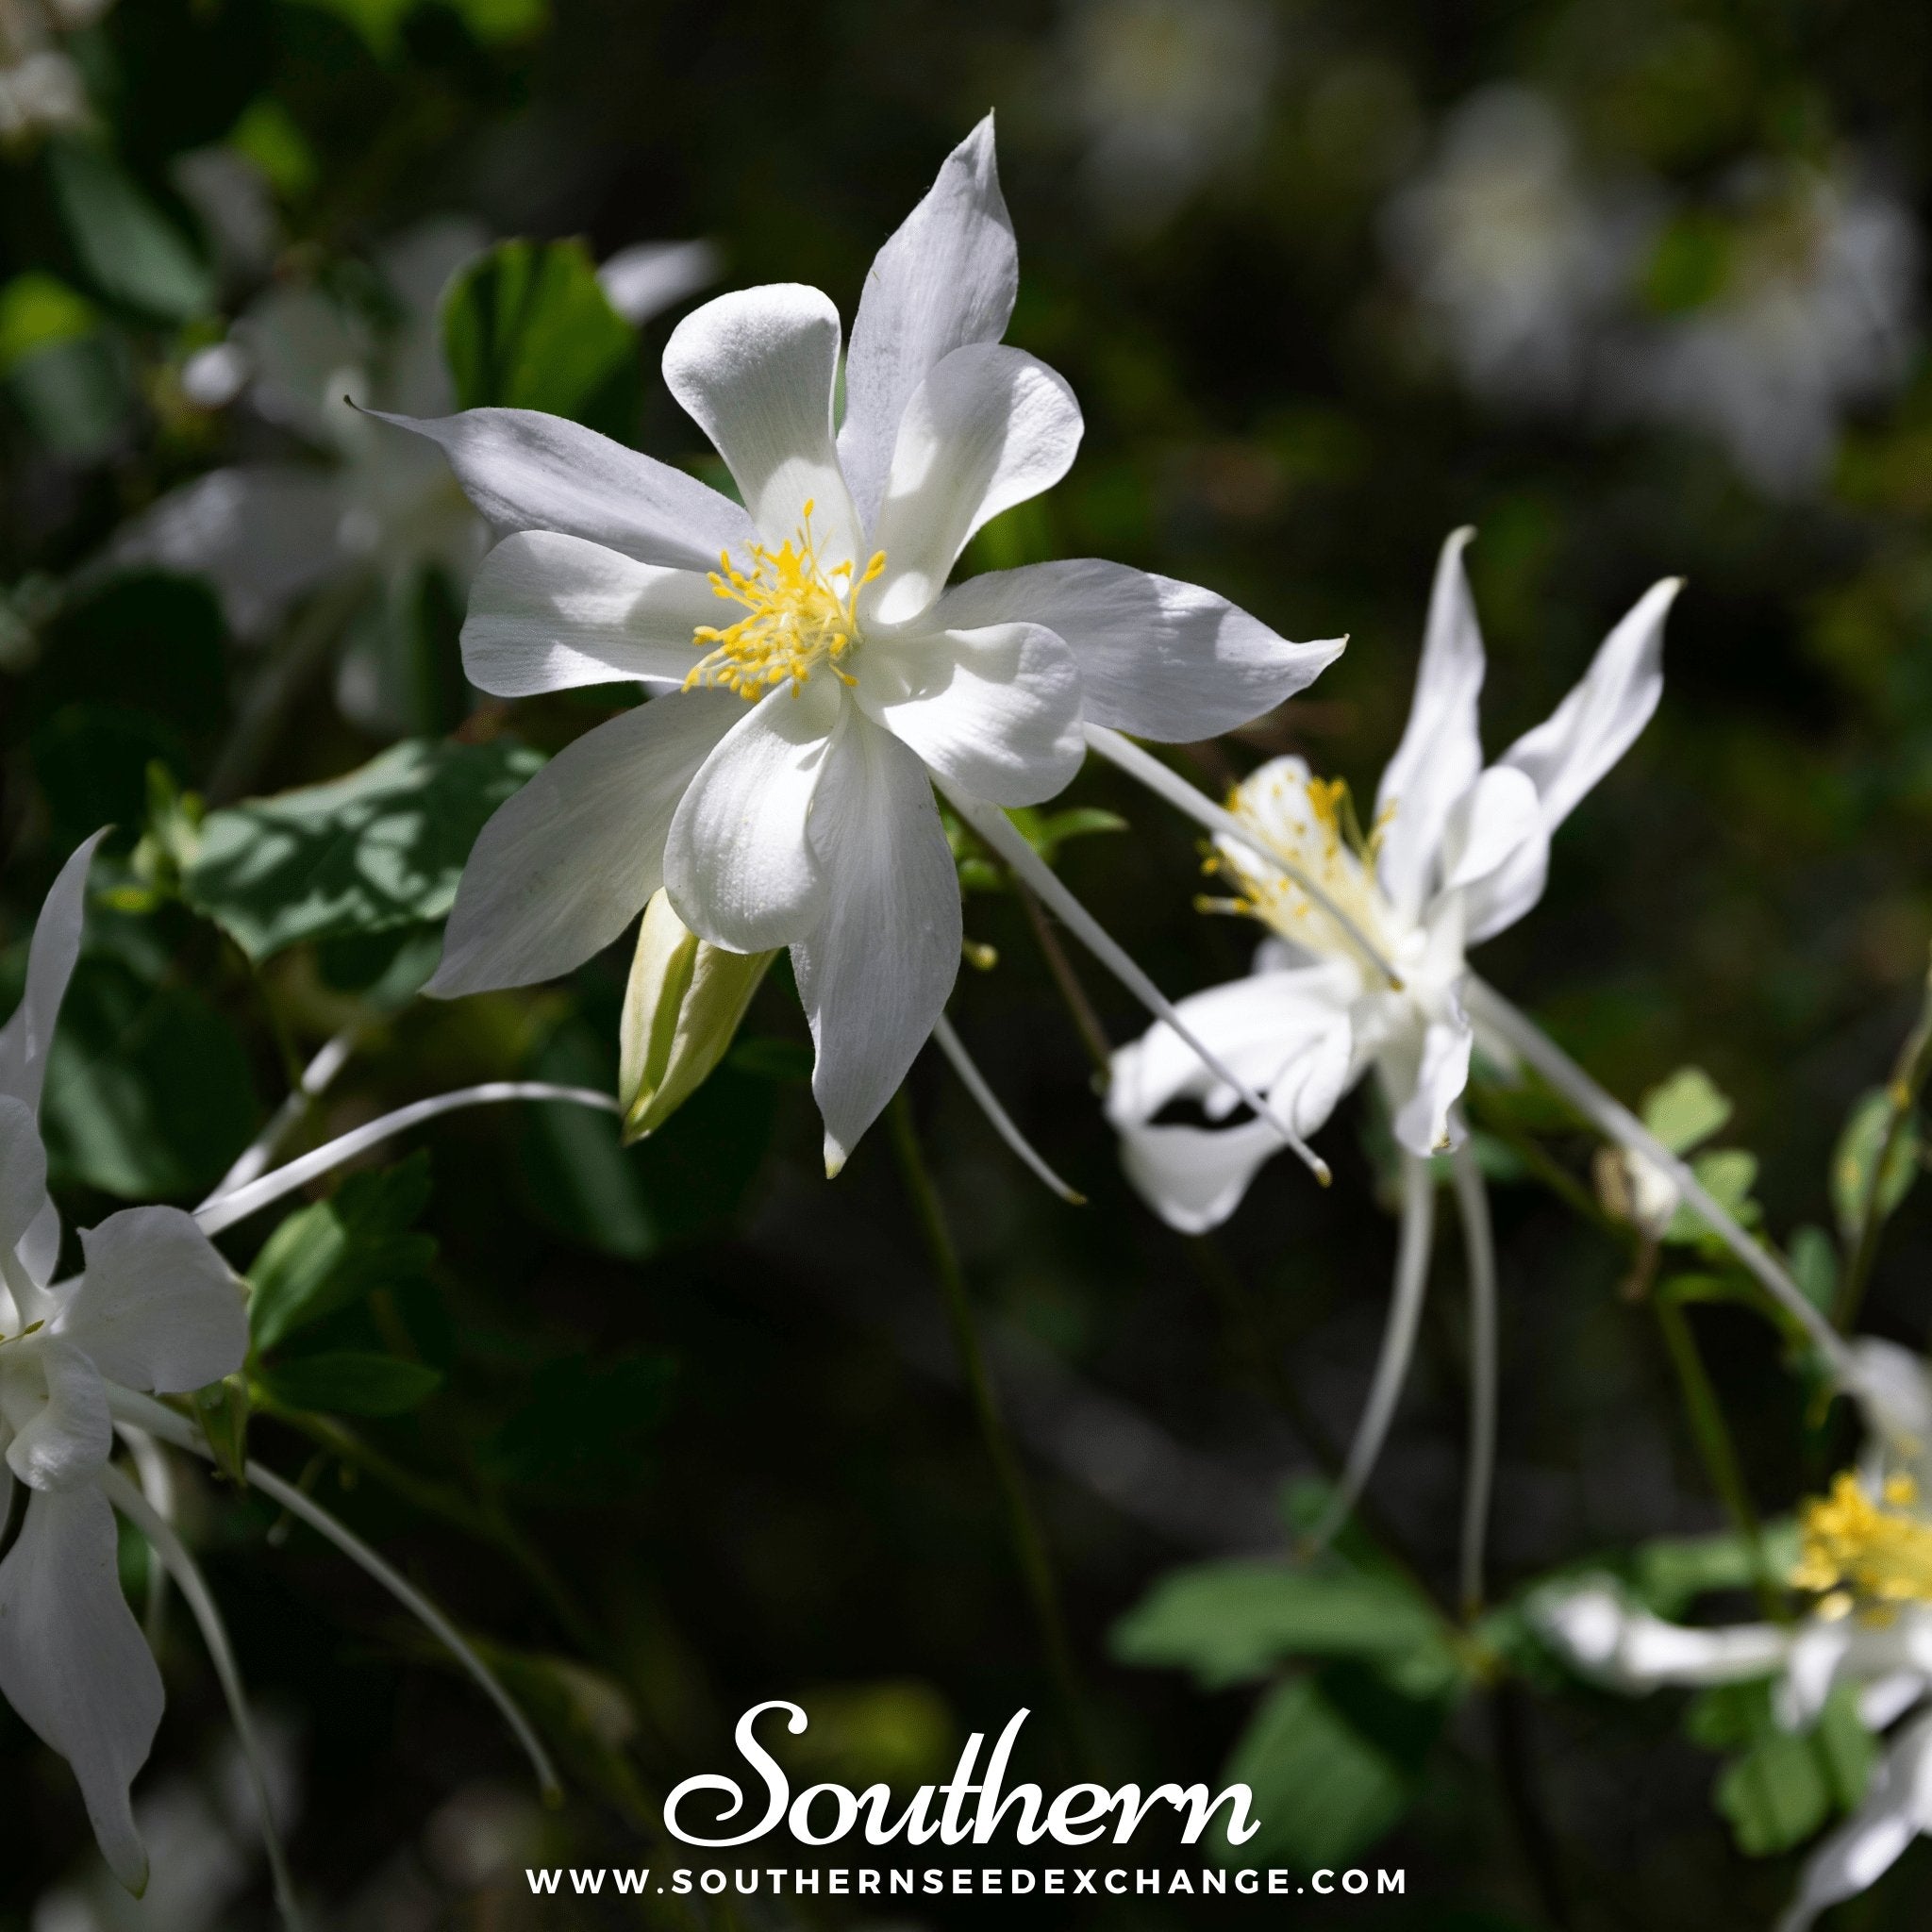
(681, 1010)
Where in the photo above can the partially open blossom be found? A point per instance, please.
(824, 676)
(1369, 924)
(1865, 1565)
(153, 1309)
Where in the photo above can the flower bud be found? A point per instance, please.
(681, 1009)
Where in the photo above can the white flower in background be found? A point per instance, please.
(1169, 93)
(1370, 974)
(1814, 314)
(1515, 257)
(824, 676)
(155, 1308)
(1866, 1563)
(377, 509)
(41, 88)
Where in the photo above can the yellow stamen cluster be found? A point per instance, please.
(1864, 1552)
(799, 615)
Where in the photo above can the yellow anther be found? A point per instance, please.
(1866, 1553)
(798, 614)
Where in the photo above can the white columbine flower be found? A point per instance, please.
(1866, 1562)
(156, 1308)
(824, 676)
(1365, 963)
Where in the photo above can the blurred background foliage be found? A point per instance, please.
(1633, 285)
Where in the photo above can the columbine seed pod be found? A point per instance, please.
(681, 1011)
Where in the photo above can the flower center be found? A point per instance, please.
(1312, 822)
(798, 614)
(1864, 1552)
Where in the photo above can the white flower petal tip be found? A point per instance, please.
(52, 954)
(836, 1157)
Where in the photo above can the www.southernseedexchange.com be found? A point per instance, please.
(968, 1881)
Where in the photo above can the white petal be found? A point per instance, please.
(990, 427)
(1157, 659)
(738, 865)
(22, 1171)
(947, 277)
(1825, 1655)
(1895, 1388)
(755, 370)
(1595, 724)
(647, 277)
(1441, 751)
(1195, 1177)
(1489, 826)
(1897, 1807)
(56, 946)
(260, 533)
(874, 972)
(1425, 1078)
(39, 1248)
(994, 711)
(1610, 1639)
(73, 1662)
(59, 1409)
(566, 864)
(526, 470)
(158, 1308)
(549, 611)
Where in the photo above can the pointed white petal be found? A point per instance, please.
(1595, 724)
(1606, 1637)
(567, 862)
(755, 371)
(988, 428)
(51, 955)
(1896, 1808)
(1441, 751)
(946, 278)
(1488, 825)
(22, 1171)
(158, 1308)
(73, 1662)
(526, 470)
(994, 711)
(738, 866)
(875, 972)
(549, 611)
(59, 1409)
(1160, 659)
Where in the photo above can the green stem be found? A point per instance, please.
(1086, 1021)
(1714, 1444)
(1023, 1526)
(1908, 1074)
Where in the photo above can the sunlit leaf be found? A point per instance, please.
(1855, 1158)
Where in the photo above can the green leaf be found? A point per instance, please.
(37, 310)
(129, 249)
(1784, 1785)
(1333, 1762)
(149, 1094)
(1814, 1265)
(334, 1253)
(1234, 1621)
(379, 848)
(1728, 1175)
(526, 326)
(1685, 1108)
(350, 1382)
(1671, 1573)
(1856, 1157)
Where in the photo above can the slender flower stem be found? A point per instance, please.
(976, 1084)
(1023, 1526)
(1398, 1344)
(314, 1081)
(1491, 1010)
(1908, 1074)
(1480, 1247)
(1171, 786)
(999, 832)
(127, 1405)
(196, 1593)
(1719, 1453)
(1086, 1021)
(229, 1209)
(157, 1485)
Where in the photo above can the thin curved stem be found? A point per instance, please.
(998, 831)
(1479, 1248)
(315, 1079)
(1171, 786)
(157, 1485)
(1398, 1345)
(144, 1410)
(227, 1210)
(196, 1593)
(1491, 1010)
(976, 1084)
